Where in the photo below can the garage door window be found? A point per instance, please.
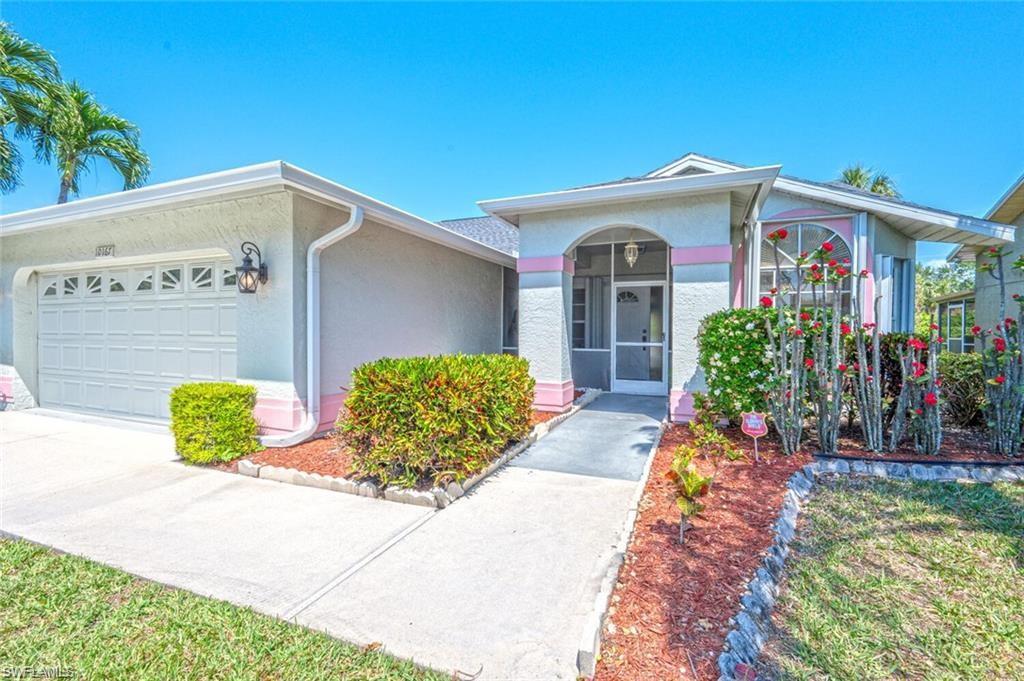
(145, 282)
(70, 286)
(201, 277)
(170, 279)
(116, 283)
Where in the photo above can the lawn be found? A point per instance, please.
(898, 579)
(63, 611)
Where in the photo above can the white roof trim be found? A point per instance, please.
(508, 208)
(836, 195)
(246, 180)
(1017, 186)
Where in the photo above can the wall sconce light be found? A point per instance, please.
(631, 251)
(251, 276)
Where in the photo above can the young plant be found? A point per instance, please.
(690, 486)
(827, 364)
(1001, 364)
(920, 395)
(786, 344)
(867, 373)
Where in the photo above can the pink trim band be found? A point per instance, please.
(551, 263)
(701, 255)
(553, 396)
(283, 415)
(680, 406)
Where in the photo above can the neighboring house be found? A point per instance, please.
(954, 313)
(1009, 209)
(111, 301)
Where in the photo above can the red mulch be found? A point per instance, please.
(321, 456)
(541, 416)
(672, 603)
(957, 445)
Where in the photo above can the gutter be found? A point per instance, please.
(311, 421)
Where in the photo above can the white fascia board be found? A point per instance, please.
(629, 191)
(246, 180)
(1017, 186)
(985, 228)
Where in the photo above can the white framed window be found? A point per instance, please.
(579, 317)
(50, 290)
(93, 284)
(228, 277)
(803, 237)
(201, 277)
(170, 279)
(115, 283)
(70, 285)
(145, 282)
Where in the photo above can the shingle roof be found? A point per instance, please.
(488, 230)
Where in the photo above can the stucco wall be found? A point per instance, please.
(388, 293)
(987, 289)
(781, 202)
(264, 319)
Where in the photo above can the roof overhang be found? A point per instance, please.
(917, 222)
(750, 184)
(236, 183)
(1010, 204)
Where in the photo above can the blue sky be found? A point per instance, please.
(432, 107)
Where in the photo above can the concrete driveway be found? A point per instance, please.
(501, 581)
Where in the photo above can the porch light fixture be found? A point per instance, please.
(251, 276)
(631, 251)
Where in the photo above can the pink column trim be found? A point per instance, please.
(551, 263)
(330, 405)
(680, 406)
(553, 396)
(283, 415)
(6, 389)
(701, 255)
(739, 270)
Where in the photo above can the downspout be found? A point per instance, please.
(311, 421)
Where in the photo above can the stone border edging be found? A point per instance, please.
(437, 497)
(590, 641)
(752, 624)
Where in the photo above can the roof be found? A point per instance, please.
(237, 182)
(917, 221)
(492, 231)
(750, 187)
(956, 295)
(1010, 205)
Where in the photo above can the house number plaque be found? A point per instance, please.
(105, 251)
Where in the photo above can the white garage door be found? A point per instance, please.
(115, 341)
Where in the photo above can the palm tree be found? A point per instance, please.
(74, 129)
(28, 73)
(860, 176)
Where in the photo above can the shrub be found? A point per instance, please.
(963, 386)
(214, 421)
(733, 352)
(435, 419)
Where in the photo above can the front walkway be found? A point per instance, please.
(503, 580)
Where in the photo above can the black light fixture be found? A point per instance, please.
(251, 276)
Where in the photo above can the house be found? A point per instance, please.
(1009, 209)
(111, 301)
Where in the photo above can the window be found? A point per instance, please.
(955, 319)
(201, 277)
(50, 290)
(627, 297)
(229, 278)
(145, 282)
(93, 284)
(115, 283)
(579, 317)
(803, 237)
(509, 311)
(70, 285)
(170, 279)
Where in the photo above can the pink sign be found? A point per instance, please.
(753, 424)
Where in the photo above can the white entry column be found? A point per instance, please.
(700, 286)
(545, 311)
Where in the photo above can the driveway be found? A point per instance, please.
(501, 581)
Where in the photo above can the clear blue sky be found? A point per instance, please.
(432, 107)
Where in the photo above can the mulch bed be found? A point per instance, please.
(957, 445)
(670, 609)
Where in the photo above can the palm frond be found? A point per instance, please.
(883, 185)
(857, 175)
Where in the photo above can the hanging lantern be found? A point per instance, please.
(632, 252)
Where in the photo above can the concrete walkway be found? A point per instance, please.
(501, 581)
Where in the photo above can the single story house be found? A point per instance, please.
(109, 302)
(1009, 209)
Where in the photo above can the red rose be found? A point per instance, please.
(931, 399)
(766, 301)
(827, 247)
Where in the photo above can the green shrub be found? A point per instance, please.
(435, 419)
(733, 352)
(963, 387)
(214, 421)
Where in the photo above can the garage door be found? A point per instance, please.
(115, 341)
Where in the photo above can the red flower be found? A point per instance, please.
(845, 329)
(934, 327)
(1009, 321)
(842, 367)
(919, 411)
(827, 247)
(766, 301)
(773, 291)
(856, 366)
(1016, 296)
(864, 273)
(1000, 379)
(975, 330)
(917, 344)
(993, 250)
(798, 332)
(999, 344)
(841, 272)
(782, 233)
(940, 339)
(805, 316)
(832, 263)
(931, 399)
(809, 363)
(814, 267)
(846, 261)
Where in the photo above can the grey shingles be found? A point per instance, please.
(488, 230)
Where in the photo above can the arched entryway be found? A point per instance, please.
(619, 321)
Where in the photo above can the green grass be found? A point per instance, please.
(906, 580)
(60, 610)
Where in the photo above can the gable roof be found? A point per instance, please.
(236, 182)
(492, 231)
(917, 221)
(1010, 205)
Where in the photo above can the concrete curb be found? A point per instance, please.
(437, 497)
(984, 473)
(590, 640)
